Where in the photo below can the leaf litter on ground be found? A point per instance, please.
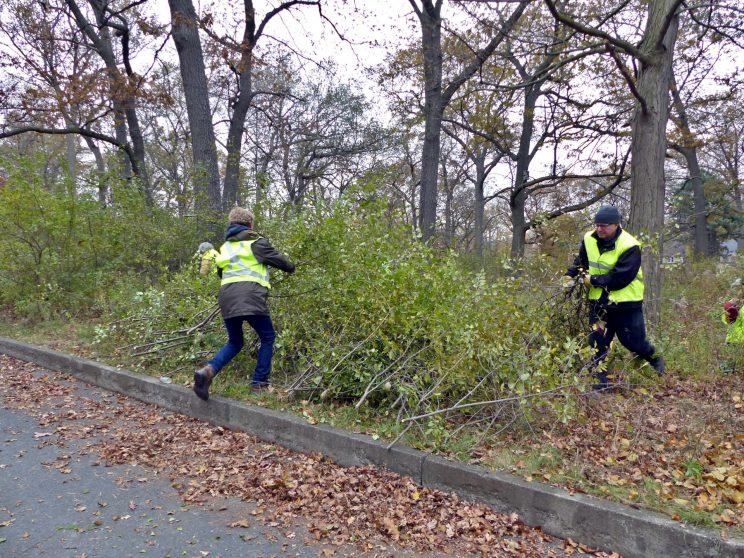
(364, 506)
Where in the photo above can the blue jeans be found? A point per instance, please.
(265, 330)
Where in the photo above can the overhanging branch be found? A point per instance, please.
(628, 78)
(594, 32)
(586, 203)
(74, 130)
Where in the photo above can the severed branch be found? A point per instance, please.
(490, 402)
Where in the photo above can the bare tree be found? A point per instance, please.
(123, 87)
(437, 96)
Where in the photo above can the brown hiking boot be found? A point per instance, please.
(202, 380)
(259, 388)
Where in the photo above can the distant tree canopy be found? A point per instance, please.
(487, 121)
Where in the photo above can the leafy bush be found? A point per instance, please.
(373, 314)
(64, 253)
(692, 332)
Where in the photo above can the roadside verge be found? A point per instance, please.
(606, 525)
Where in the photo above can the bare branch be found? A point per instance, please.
(586, 203)
(74, 130)
(593, 32)
(481, 56)
(628, 78)
(278, 9)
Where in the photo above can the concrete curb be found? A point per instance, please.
(599, 523)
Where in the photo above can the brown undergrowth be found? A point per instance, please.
(678, 449)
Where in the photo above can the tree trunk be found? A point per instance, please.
(235, 140)
(448, 191)
(431, 42)
(701, 245)
(185, 32)
(100, 170)
(648, 149)
(240, 109)
(71, 151)
(138, 148)
(479, 206)
(518, 199)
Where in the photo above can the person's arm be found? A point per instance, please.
(268, 255)
(581, 261)
(623, 273)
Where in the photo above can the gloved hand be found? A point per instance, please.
(731, 308)
(585, 278)
(566, 282)
(204, 247)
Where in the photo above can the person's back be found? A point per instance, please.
(243, 263)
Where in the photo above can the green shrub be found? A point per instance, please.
(63, 254)
(374, 314)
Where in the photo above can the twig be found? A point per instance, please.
(491, 402)
(398, 437)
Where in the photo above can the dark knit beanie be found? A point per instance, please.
(607, 214)
(241, 215)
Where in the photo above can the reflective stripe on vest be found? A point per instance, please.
(600, 264)
(238, 263)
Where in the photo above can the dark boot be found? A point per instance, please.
(202, 381)
(657, 363)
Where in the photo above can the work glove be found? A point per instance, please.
(586, 279)
(566, 282)
(731, 308)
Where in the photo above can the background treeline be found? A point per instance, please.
(431, 199)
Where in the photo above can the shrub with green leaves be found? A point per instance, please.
(62, 253)
(374, 315)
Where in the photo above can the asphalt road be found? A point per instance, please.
(60, 497)
(97, 511)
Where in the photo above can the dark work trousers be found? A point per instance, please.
(265, 329)
(627, 324)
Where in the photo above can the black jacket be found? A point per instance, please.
(618, 277)
(248, 298)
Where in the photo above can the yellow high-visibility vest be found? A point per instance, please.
(600, 264)
(735, 333)
(237, 262)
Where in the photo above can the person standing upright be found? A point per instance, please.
(242, 263)
(609, 263)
